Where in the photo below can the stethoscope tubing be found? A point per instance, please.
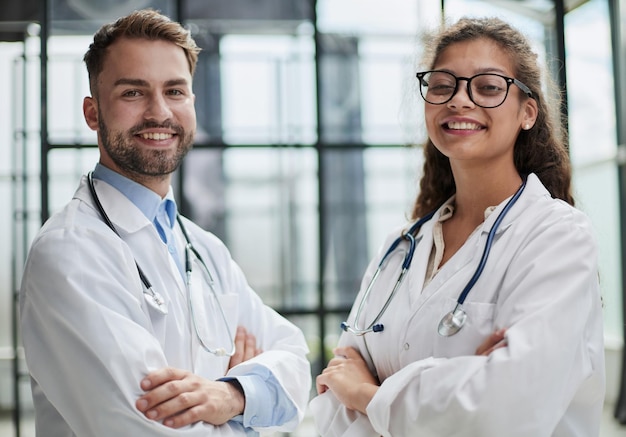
(410, 235)
(374, 326)
(144, 279)
(157, 298)
(489, 244)
(189, 248)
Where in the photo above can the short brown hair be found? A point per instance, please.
(145, 23)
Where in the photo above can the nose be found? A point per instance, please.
(158, 108)
(461, 98)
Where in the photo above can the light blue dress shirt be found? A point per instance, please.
(267, 404)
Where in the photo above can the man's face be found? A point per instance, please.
(144, 109)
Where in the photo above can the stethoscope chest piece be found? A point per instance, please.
(156, 300)
(452, 322)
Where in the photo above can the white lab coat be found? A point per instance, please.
(90, 337)
(540, 282)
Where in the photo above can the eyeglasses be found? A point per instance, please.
(487, 90)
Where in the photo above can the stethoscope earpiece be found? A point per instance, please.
(156, 301)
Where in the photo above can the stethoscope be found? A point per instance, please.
(452, 322)
(154, 298)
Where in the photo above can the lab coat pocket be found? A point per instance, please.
(214, 321)
(215, 316)
(478, 326)
(158, 314)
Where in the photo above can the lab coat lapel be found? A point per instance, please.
(123, 213)
(465, 261)
(417, 270)
(418, 294)
(466, 256)
(137, 231)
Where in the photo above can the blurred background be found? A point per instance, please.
(307, 149)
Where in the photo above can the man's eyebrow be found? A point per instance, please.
(128, 81)
(177, 82)
(144, 83)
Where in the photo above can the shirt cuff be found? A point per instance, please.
(266, 403)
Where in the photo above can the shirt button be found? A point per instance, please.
(406, 346)
(253, 420)
(171, 249)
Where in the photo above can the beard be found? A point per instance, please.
(141, 161)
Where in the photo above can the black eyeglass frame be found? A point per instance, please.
(509, 81)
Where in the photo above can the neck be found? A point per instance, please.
(475, 193)
(158, 184)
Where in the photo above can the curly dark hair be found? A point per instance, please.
(541, 150)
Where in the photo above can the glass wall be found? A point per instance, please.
(593, 144)
(306, 151)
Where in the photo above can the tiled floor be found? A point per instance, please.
(610, 428)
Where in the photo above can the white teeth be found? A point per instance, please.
(463, 125)
(156, 136)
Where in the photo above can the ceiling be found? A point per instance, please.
(85, 16)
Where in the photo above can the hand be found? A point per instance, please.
(495, 341)
(349, 378)
(245, 347)
(180, 398)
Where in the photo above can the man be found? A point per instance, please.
(129, 312)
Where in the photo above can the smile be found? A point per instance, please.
(156, 136)
(462, 125)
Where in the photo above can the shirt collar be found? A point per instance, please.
(143, 198)
(447, 210)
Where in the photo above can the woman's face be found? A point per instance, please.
(466, 133)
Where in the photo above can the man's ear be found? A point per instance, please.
(90, 112)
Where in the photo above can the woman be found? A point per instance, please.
(495, 153)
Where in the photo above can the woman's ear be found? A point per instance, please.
(530, 113)
(90, 112)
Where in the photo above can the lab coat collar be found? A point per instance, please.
(128, 219)
(149, 202)
(534, 189)
(125, 215)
